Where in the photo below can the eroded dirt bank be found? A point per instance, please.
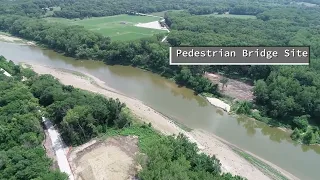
(207, 142)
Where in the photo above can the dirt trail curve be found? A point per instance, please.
(208, 143)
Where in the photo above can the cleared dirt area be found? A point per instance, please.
(233, 88)
(112, 159)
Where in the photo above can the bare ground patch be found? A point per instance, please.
(112, 159)
(235, 89)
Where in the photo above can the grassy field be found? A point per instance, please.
(232, 16)
(120, 27)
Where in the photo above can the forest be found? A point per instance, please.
(92, 8)
(81, 116)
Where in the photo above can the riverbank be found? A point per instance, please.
(208, 143)
(7, 38)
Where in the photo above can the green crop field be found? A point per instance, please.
(120, 27)
(232, 16)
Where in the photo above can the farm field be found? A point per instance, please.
(120, 27)
(232, 16)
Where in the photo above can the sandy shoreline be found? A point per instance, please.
(207, 142)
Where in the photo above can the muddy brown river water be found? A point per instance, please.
(193, 111)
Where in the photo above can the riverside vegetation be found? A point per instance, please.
(81, 116)
(286, 95)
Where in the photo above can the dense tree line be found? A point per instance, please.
(309, 1)
(291, 94)
(274, 29)
(177, 158)
(282, 28)
(94, 8)
(10, 67)
(302, 17)
(21, 7)
(21, 152)
(80, 116)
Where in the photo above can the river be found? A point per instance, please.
(193, 111)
